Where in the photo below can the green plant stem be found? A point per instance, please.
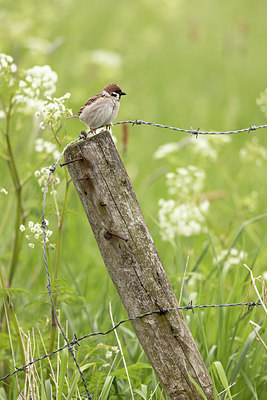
(60, 226)
(9, 313)
(61, 218)
(17, 187)
(19, 219)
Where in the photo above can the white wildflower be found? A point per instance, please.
(185, 214)
(231, 258)
(204, 146)
(13, 68)
(251, 201)
(106, 58)
(53, 111)
(181, 219)
(36, 232)
(253, 152)
(36, 228)
(31, 245)
(38, 83)
(42, 146)
(7, 69)
(262, 102)
(108, 354)
(37, 174)
(38, 44)
(2, 114)
(43, 176)
(166, 149)
(185, 180)
(22, 228)
(4, 191)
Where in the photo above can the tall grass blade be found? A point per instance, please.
(221, 373)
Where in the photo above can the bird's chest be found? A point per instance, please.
(114, 109)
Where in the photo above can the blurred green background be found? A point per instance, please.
(187, 64)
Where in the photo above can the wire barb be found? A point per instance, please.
(190, 306)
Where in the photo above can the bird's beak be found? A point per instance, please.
(123, 93)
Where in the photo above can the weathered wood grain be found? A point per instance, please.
(135, 268)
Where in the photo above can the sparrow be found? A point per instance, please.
(102, 108)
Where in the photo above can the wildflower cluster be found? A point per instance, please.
(7, 64)
(262, 102)
(42, 146)
(185, 181)
(52, 112)
(253, 152)
(106, 58)
(42, 177)
(110, 351)
(35, 233)
(38, 83)
(166, 149)
(7, 70)
(31, 92)
(4, 191)
(209, 146)
(185, 213)
(230, 258)
(251, 201)
(205, 147)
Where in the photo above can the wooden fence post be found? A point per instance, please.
(135, 268)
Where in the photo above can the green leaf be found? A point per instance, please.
(107, 387)
(134, 370)
(142, 392)
(244, 353)
(2, 394)
(63, 368)
(48, 389)
(222, 376)
(76, 379)
(196, 384)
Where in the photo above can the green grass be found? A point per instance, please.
(199, 64)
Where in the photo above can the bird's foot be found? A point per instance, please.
(108, 127)
(83, 135)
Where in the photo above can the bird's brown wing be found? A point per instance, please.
(90, 101)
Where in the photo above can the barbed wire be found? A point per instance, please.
(161, 311)
(195, 132)
(70, 344)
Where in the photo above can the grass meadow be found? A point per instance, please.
(185, 64)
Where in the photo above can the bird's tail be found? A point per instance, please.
(72, 116)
